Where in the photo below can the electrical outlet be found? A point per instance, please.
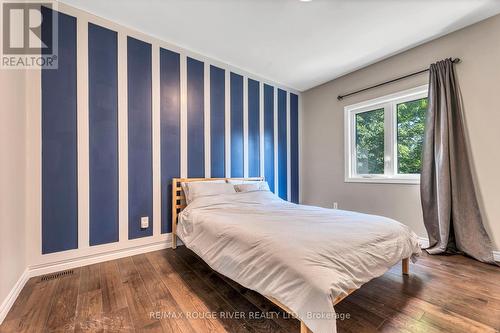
(335, 205)
(144, 222)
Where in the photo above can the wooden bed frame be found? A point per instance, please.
(179, 203)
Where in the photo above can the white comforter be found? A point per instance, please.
(303, 256)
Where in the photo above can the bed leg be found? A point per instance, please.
(174, 241)
(406, 266)
(304, 328)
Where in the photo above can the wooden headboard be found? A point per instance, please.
(179, 200)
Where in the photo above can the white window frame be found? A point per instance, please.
(388, 103)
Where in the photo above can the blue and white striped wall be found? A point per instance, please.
(124, 114)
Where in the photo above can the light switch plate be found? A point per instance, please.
(144, 222)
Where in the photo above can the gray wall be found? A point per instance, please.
(322, 152)
(12, 179)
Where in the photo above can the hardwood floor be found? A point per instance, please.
(174, 291)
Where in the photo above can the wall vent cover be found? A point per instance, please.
(56, 275)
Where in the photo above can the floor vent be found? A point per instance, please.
(56, 275)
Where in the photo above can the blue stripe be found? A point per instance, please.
(217, 121)
(236, 125)
(170, 136)
(140, 177)
(59, 140)
(282, 151)
(253, 129)
(269, 135)
(195, 121)
(103, 134)
(294, 148)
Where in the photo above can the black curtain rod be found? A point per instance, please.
(340, 97)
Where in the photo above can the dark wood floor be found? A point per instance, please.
(442, 294)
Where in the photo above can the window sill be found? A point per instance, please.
(383, 180)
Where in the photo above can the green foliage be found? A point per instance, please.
(410, 135)
(411, 124)
(370, 142)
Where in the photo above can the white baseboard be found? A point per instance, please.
(424, 242)
(12, 296)
(36, 270)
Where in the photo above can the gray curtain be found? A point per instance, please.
(450, 207)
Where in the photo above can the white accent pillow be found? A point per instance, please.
(253, 186)
(242, 181)
(185, 188)
(204, 189)
(246, 187)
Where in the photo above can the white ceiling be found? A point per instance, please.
(297, 44)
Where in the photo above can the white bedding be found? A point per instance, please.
(303, 256)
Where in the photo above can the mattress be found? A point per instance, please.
(303, 256)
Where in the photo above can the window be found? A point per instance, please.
(384, 138)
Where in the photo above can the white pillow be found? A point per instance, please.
(185, 188)
(203, 189)
(242, 181)
(246, 187)
(254, 186)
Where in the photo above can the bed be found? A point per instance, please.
(304, 259)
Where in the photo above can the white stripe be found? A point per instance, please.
(288, 149)
(228, 121)
(275, 107)
(245, 126)
(208, 171)
(64, 8)
(183, 120)
(156, 139)
(83, 133)
(34, 167)
(261, 128)
(34, 256)
(300, 147)
(123, 137)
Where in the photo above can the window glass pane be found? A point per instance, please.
(410, 123)
(370, 142)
